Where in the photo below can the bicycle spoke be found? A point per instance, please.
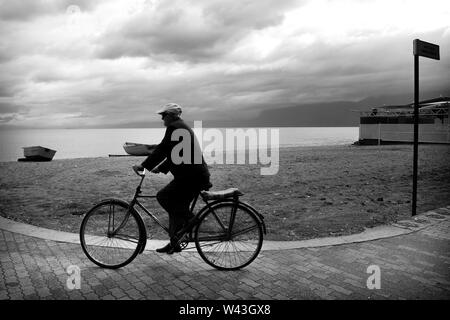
(125, 237)
(110, 234)
(244, 231)
(210, 244)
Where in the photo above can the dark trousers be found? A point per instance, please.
(175, 198)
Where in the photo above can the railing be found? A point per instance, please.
(442, 112)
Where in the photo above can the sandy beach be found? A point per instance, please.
(318, 191)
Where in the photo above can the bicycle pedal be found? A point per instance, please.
(183, 245)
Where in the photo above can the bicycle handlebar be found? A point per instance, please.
(139, 173)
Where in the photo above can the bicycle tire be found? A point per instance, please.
(225, 248)
(102, 244)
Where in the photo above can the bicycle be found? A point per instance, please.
(228, 233)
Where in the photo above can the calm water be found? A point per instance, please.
(81, 143)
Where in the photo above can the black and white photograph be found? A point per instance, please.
(224, 158)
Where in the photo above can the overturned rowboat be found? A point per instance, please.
(37, 153)
(138, 149)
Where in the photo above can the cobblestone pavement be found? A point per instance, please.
(412, 266)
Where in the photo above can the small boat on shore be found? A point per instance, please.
(37, 153)
(138, 149)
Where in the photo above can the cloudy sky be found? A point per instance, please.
(95, 63)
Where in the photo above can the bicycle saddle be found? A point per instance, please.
(222, 194)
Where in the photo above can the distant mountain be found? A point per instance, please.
(400, 99)
(328, 114)
(331, 114)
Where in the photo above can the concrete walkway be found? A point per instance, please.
(406, 260)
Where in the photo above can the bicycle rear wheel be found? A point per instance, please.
(228, 237)
(110, 234)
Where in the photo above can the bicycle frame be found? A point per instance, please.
(209, 206)
(138, 195)
(227, 233)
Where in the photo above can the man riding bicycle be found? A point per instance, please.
(190, 177)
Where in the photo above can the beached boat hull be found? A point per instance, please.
(138, 149)
(37, 153)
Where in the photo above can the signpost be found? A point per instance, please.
(427, 50)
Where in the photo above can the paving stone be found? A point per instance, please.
(340, 289)
(413, 266)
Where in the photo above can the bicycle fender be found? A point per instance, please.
(258, 214)
(102, 202)
(244, 204)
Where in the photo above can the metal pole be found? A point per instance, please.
(416, 131)
(379, 133)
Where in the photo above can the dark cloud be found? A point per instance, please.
(48, 76)
(4, 54)
(247, 14)
(6, 119)
(218, 59)
(185, 46)
(9, 86)
(23, 10)
(8, 107)
(180, 31)
(6, 92)
(10, 111)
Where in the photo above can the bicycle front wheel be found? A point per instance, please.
(110, 234)
(228, 236)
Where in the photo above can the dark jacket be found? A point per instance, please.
(197, 173)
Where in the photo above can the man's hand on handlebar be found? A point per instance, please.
(139, 169)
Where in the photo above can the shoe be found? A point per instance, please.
(172, 250)
(169, 249)
(164, 249)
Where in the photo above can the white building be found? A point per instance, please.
(395, 124)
